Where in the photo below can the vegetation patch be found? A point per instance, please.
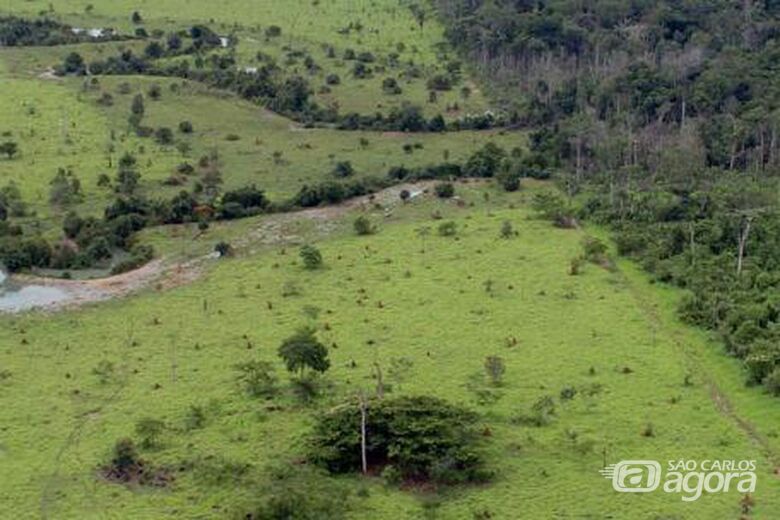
(411, 440)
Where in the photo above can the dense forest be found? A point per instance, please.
(661, 119)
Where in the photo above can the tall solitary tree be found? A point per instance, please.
(303, 351)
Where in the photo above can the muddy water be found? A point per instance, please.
(17, 298)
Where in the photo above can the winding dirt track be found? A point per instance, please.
(163, 273)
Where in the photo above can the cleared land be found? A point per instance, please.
(627, 380)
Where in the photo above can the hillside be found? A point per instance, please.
(389, 259)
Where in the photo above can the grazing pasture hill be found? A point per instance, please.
(594, 366)
(161, 118)
(391, 40)
(68, 124)
(305, 270)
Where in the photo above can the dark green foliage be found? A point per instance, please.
(510, 174)
(127, 467)
(243, 202)
(139, 255)
(444, 190)
(273, 31)
(594, 250)
(163, 135)
(224, 249)
(421, 438)
(18, 32)
(440, 82)
(137, 106)
(303, 351)
(311, 257)
(127, 181)
(343, 169)
(363, 226)
(185, 127)
(9, 149)
(485, 162)
(689, 235)
(125, 457)
(551, 206)
(74, 64)
(154, 50)
(287, 94)
(390, 86)
(155, 92)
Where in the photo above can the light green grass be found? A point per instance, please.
(61, 422)
(53, 130)
(70, 129)
(308, 26)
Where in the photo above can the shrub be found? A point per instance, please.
(485, 162)
(363, 226)
(448, 229)
(248, 198)
(360, 70)
(772, 382)
(223, 249)
(421, 438)
(127, 467)
(366, 57)
(257, 378)
(507, 231)
(343, 169)
(163, 135)
(9, 149)
(444, 190)
(139, 255)
(273, 31)
(332, 79)
(595, 251)
(390, 86)
(185, 127)
(439, 82)
(509, 179)
(551, 206)
(311, 257)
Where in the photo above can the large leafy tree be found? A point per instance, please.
(303, 351)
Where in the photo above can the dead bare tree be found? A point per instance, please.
(363, 414)
(744, 233)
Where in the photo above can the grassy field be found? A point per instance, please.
(58, 123)
(428, 309)
(379, 27)
(567, 335)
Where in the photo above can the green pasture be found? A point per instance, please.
(443, 304)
